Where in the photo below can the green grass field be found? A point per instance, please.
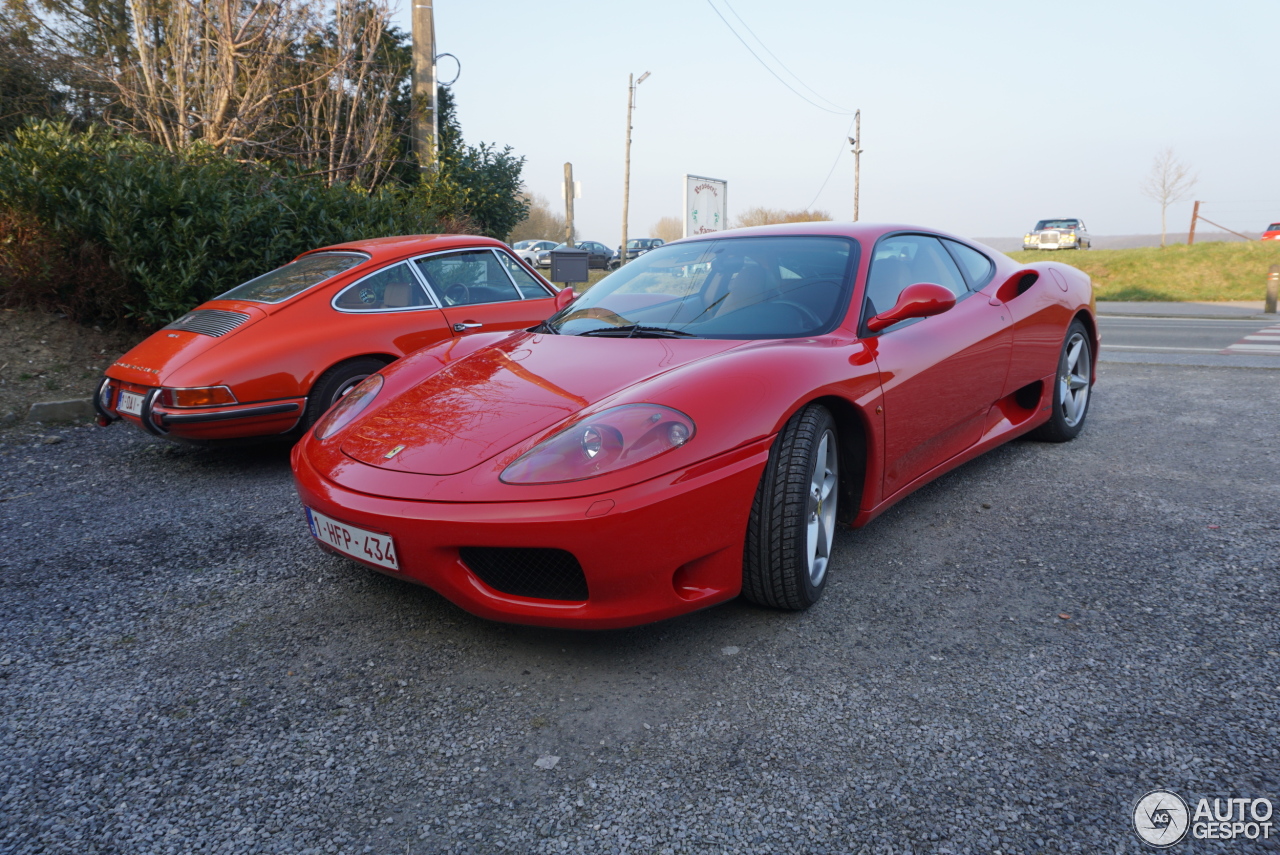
(1203, 272)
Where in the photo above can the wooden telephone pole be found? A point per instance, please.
(632, 83)
(856, 142)
(1195, 215)
(426, 121)
(569, 189)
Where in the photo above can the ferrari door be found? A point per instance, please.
(940, 375)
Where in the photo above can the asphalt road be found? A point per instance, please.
(1005, 662)
(1191, 341)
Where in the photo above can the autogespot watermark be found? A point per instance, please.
(1162, 818)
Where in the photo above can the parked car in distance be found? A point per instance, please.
(666, 442)
(637, 247)
(1058, 234)
(600, 258)
(528, 249)
(1272, 232)
(272, 355)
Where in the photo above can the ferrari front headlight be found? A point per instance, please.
(605, 442)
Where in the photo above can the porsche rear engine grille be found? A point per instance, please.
(214, 322)
(545, 574)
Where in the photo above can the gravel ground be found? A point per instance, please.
(1004, 663)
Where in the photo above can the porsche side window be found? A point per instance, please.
(387, 290)
(977, 267)
(528, 285)
(468, 278)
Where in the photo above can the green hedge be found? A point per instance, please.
(178, 229)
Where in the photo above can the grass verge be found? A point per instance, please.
(1202, 272)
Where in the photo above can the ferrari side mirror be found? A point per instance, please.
(564, 297)
(922, 300)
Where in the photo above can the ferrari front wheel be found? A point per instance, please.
(793, 517)
(1071, 387)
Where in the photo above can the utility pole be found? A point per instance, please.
(626, 173)
(426, 121)
(568, 204)
(1195, 215)
(856, 142)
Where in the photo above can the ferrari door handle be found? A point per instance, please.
(465, 327)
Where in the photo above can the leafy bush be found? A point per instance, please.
(177, 229)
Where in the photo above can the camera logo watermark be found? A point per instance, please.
(1162, 818)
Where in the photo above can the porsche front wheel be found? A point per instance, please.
(1070, 388)
(793, 516)
(334, 384)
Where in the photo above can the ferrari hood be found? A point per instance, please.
(156, 358)
(502, 394)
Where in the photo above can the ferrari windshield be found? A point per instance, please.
(1057, 224)
(739, 288)
(295, 277)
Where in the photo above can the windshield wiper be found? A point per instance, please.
(544, 327)
(638, 331)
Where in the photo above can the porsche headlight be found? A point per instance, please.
(345, 411)
(605, 442)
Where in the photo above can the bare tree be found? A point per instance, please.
(541, 224)
(303, 79)
(668, 229)
(1169, 181)
(761, 216)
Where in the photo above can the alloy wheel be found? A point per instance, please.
(821, 512)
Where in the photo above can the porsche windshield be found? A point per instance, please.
(741, 288)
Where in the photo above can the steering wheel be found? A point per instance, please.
(457, 294)
(804, 311)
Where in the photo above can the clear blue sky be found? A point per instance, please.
(977, 117)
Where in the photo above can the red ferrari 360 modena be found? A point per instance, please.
(696, 425)
(271, 355)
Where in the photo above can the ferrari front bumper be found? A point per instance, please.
(647, 552)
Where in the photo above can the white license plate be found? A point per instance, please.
(130, 403)
(367, 546)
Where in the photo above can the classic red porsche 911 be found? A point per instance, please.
(697, 424)
(271, 355)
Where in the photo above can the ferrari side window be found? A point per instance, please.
(977, 267)
(903, 260)
(389, 289)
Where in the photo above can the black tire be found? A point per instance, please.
(1071, 388)
(336, 382)
(777, 570)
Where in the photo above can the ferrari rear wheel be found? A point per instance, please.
(333, 385)
(793, 518)
(1070, 388)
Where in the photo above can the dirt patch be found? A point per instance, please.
(46, 357)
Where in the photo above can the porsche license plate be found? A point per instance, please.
(130, 403)
(367, 546)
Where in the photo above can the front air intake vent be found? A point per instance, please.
(214, 322)
(544, 574)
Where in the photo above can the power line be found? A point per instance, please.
(831, 172)
(770, 70)
(779, 61)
